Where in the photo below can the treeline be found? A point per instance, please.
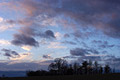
(61, 67)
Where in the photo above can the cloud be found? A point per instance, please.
(47, 34)
(34, 31)
(21, 40)
(50, 34)
(13, 55)
(47, 57)
(99, 14)
(82, 52)
(4, 27)
(4, 42)
(23, 57)
(10, 54)
(26, 36)
(70, 57)
(113, 61)
(58, 35)
(69, 42)
(6, 24)
(56, 45)
(15, 65)
(28, 48)
(80, 34)
(66, 35)
(78, 52)
(1, 19)
(92, 58)
(102, 44)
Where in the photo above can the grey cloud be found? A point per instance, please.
(82, 52)
(107, 46)
(78, 52)
(86, 35)
(102, 44)
(100, 14)
(47, 57)
(69, 42)
(93, 51)
(92, 58)
(26, 36)
(71, 57)
(97, 41)
(84, 44)
(31, 31)
(9, 53)
(113, 61)
(49, 34)
(20, 39)
(66, 35)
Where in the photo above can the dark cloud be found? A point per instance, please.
(66, 35)
(107, 46)
(9, 53)
(102, 44)
(47, 34)
(78, 52)
(97, 41)
(92, 58)
(99, 14)
(70, 57)
(20, 39)
(28, 31)
(93, 51)
(83, 35)
(47, 57)
(26, 36)
(82, 52)
(84, 44)
(31, 31)
(69, 42)
(113, 61)
(92, 17)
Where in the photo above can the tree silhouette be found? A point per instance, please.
(96, 67)
(101, 70)
(75, 67)
(107, 69)
(58, 64)
(70, 70)
(90, 68)
(61, 67)
(85, 67)
(52, 66)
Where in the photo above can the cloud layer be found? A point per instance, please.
(83, 29)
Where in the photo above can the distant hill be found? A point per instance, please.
(13, 73)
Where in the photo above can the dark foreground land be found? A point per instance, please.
(70, 77)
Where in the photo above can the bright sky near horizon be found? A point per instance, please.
(35, 32)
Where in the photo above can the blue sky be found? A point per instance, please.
(38, 31)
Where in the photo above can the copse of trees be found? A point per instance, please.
(61, 67)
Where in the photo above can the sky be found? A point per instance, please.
(35, 32)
